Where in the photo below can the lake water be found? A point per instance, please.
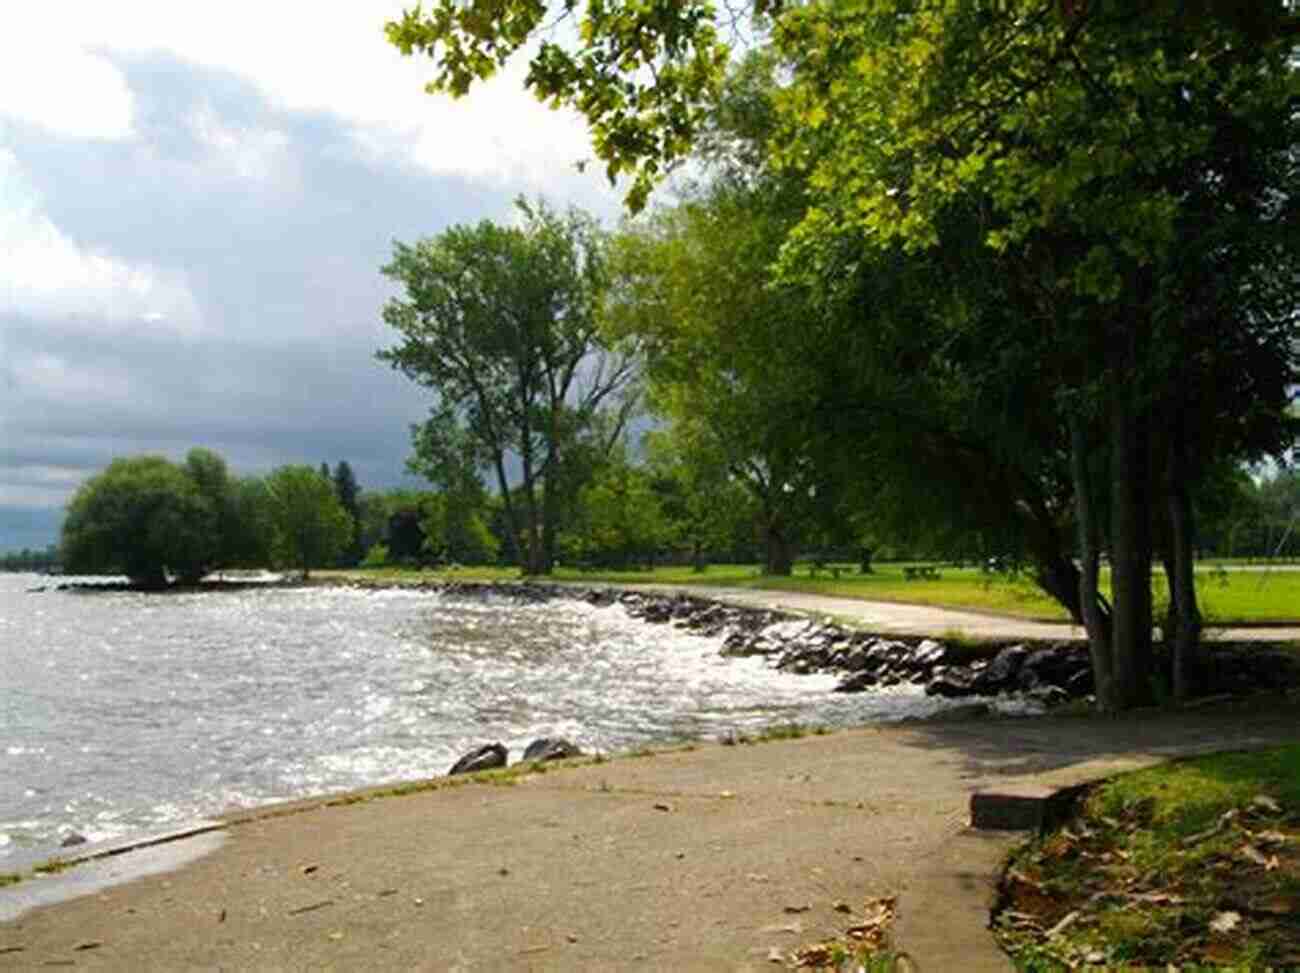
(124, 713)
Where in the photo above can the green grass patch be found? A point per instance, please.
(9, 878)
(52, 866)
(1195, 862)
(1227, 596)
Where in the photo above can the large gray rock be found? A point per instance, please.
(951, 682)
(486, 757)
(1000, 674)
(1049, 695)
(551, 748)
(885, 652)
(857, 682)
(1080, 684)
(929, 654)
(1053, 665)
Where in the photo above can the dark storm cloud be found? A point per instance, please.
(277, 223)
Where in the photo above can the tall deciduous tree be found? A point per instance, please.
(621, 521)
(500, 323)
(731, 360)
(348, 491)
(445, 453)
(311, 527)
(1131, 166)
(209, 473)
(1137, 176)
(142, 517)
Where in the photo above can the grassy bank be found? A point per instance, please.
(1194, 862)
(1227, 596)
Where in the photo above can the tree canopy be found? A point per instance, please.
(142, 517)
(500, 323)
(1075, 223)
(310, 526)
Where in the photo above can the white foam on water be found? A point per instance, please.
(145, 710)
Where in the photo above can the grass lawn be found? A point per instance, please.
(1226, 596)
(1193, 862)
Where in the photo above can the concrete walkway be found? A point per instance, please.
(928, 620)
(706, 859)
(714, 858)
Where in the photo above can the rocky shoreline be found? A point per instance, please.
(1048, 673)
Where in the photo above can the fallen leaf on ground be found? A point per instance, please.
(663, 806)
(796, 909)
(311, 908)
(881, 909)
(1280, 905)
(1220, 953)
(1253, 854)
(816, 955)
(1225, 819)
(1225, 922)
(843, 907)
(1262, 802)
(1157, 898)
(1063, 925)
(1020, 878)
(1271, 838)
(790, 927)
(1020, 920)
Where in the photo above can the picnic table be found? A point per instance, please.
(922, 572)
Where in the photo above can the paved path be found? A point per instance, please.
(706, 859)
(907, 619)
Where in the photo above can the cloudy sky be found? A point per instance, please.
(195, 201)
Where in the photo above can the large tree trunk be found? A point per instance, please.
(1054, 571)
(1095, 620)
(533, 550)
(777, 546)
(552, 493)
(1183, 622)
(1130, 547)
(512, 512)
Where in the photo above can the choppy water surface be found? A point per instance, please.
(124, 712)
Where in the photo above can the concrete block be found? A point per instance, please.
(1024, 807)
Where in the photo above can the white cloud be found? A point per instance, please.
(317, 55)
(51, 377)
(69, 90)
(249, 154)
(45, 273)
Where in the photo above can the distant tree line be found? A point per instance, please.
(28, 560)
(160, 522)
